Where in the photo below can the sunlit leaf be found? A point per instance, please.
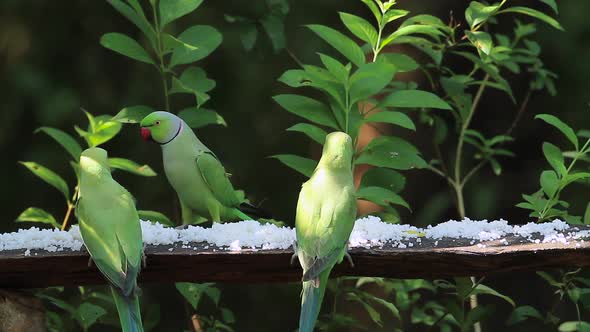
(414, 99)
(360, 28)
(369, 80)
(315, 133)
(396, 118)
(136, 17)
(171, 10)
(34, 214)
(391, 152)
(478, 13)
(381, 196)
(200, 117)
(549, 182)
(307, 108)
(132, 114)
(196, 43)
(561, 126)
(340, 42)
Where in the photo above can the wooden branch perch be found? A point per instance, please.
(425, 259)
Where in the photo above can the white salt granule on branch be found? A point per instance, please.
(368, 232)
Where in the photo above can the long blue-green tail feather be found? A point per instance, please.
(311, 302)
(128, 308)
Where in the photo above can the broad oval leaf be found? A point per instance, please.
(307, 108)
(549, 183)
(171, 10)
(193, 80)
(385, 178)
(48, 176)
(101, 130)
(340, 42)
(411, 30)
(561, 126)
(391, 152)
(34, 214)
(315, 133)
(196, 43)
(200, 117)
(534, 13)
(381, 196)
(137, 17)
(131, 167)
(302, 165)
(478, 13)
(133, 114)
(155, 216)
(64, 139)
(414, 99)
(369, 80)
(360, 28)
(402, 62)
(481, 40)
(574, 326)
(396, 118)
(126, 46)
(554, 158)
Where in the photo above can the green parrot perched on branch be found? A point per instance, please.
(326, 212)
(111, 231)
(194, 171)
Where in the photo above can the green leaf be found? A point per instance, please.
(561, 126)
(155, 216)
(552, 4)
(534, 13)
(549, 182)
(491, 70)
(315, 133)
(193, 80)
(402, 62)
(335, 68)
(302, 165)
(522, 313)
(171, 10)
(34, 214)
(200, 117)
(478, 13)
(374, 9)
(587, 215)
(383, 177)
(414, 99)
(197, 42)
(360, 28)
(132, 114)
(381, 196)
(554, 158)
(194, 292)
(411, 30)
(307, 108)
(396, 118)
(374, 315)
(483, 289)
(369, 80)
(87, 314)
(394, 14)
(64, 139)
(481, 40)
(572, 326)
(126, 46)
(391, 152)
(388, 305)
(136, 17)
(274, 26)
(48, 176)
(101, 129)
(131, 167)
(340, 42)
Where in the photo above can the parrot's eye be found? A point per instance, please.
(157, 122)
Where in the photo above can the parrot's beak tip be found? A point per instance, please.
(146, 135)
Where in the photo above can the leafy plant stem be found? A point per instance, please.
(377, 49)
(457, 176)
(160, 52)
(64, 223)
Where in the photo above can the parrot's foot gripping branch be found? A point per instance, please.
(294, 256)
(348, 257)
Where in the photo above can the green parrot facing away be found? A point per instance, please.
(110, 228)
(193, 170)
(326, 212)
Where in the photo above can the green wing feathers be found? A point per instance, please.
(217, 179)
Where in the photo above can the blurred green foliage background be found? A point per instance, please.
(51, 64)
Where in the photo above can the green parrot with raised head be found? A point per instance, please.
(195, 173)
(326, 212)
(111, 231)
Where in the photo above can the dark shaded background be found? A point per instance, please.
(51, 64)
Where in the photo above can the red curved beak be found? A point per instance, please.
(146, 135)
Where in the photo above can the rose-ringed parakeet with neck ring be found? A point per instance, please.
(194, 171)
(326, 212)
(111, 231)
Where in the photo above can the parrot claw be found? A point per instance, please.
(143, 257)
(348, 257)
(90, 262)
(294, 256)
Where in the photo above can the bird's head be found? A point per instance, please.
(94, 160)
(338, 151)
(160, 127)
